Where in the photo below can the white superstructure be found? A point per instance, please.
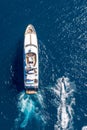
(31, 68)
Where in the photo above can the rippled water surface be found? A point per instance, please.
(61, 27)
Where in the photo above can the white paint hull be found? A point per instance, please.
(31, 68)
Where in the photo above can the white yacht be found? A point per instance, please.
(31, 68)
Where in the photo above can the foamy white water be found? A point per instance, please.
(84, 128)
(64, 90)
(30, 106)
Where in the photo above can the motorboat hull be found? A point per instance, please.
(31, 68)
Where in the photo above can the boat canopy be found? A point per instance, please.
(30, 59)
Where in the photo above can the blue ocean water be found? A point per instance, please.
(61, 27)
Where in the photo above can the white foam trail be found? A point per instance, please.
(28, 110)
(84, 128)
(28, 107)
(41, 114)
(25, 107)
(64, 90)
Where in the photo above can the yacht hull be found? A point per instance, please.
(31, 68)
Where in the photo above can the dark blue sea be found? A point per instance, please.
(61, 27)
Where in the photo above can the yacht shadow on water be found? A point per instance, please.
(17, 69)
